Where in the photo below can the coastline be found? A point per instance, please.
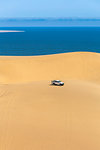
(36, 115)
(7, 31)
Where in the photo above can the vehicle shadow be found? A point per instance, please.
(56, 85)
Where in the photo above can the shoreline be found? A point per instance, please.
(7, 31)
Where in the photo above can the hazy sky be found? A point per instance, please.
(50, 8)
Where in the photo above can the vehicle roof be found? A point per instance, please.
(56, 80)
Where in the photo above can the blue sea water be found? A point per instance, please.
(49, 40)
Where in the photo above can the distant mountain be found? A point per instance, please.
(49, 22)
(49, 19)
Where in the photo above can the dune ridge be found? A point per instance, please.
(80, 66)
(36, 115)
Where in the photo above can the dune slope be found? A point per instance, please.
(36, 115)
(81, 66)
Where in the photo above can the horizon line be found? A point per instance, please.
(50, 18)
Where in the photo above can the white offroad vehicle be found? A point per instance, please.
(57, 83)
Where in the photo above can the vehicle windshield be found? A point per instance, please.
(58, 81)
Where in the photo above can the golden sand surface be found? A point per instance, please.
(37, 116)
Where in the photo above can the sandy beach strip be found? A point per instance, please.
(6, 31)
(37, 116)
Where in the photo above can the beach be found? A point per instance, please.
(7, 31)
(34, 115)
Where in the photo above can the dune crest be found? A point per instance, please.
(71, 66)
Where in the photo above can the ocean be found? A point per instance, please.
(49, 40)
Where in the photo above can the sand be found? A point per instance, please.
(37, 116)
(5, 31)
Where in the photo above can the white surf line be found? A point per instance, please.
(6, 31)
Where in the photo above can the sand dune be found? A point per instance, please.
(80, 66)
(37, 116)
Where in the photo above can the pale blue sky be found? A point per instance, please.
(50, 8)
